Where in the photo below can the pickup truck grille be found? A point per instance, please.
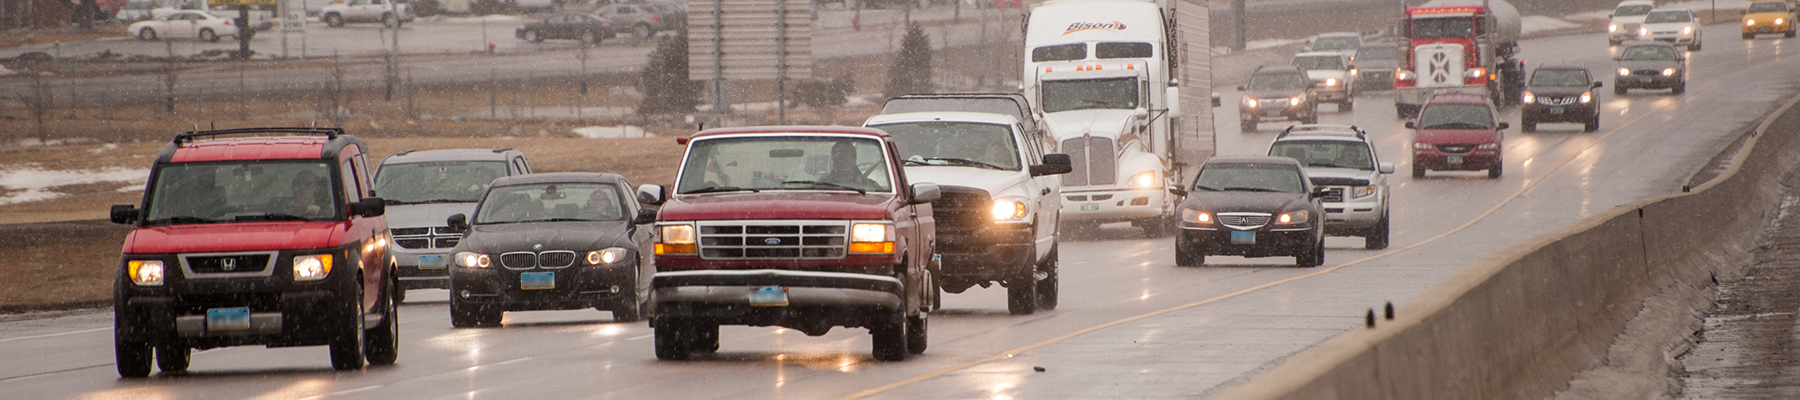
(425, 238)
(773, 240)
(961, 207)
(1334, 195)
(1092, 159)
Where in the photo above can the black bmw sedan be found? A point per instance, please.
(1251, 207)
(559, 241)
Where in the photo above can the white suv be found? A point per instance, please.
(1341, 159)
(1627, 19)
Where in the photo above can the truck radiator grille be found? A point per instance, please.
(1092, 159)
(773, 240)
(961, 207)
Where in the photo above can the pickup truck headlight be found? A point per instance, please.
(1421, 146)
(1624, 71)
(872, 238)
(146, 273)
(1587, 97)
(1146, 179)
(1643, 31)
(676, 239)
(1295, 217)
(1330, 82)
(473, 260)
(1668, 72)
(312, 267)
(1529, 98)
(1196, 217)
(1357, 192)
(609, 256)
(1009, 210)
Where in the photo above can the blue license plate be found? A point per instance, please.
(1453, 159)
(1643, 79)
(537, 280)
(1089, 207)
(1242, 237)
(768, 296)
(433, 262)
(228, 319)
(1556, 110)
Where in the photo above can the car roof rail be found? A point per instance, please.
(190, 136)
(1323, 128)
(502, 149)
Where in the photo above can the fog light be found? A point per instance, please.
(615, 289)
(464, 294)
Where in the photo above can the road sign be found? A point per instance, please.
(749, 39)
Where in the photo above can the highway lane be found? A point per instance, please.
(1131, 324)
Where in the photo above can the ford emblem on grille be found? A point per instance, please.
(772, 241)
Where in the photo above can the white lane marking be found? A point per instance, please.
(639, 337)
(56, 334)
(512, 361)
(343, 392)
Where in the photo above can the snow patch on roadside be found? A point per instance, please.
(1539, 23)
(1269, 43)
(33, 184)
(610, 132)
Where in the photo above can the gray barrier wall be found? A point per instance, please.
(1521, 322)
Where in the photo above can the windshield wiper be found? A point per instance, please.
(1206, 188)
(965, 161)
(271, 217)
(916, 162)
(716, 189)
(392, 202)
(827, 184)
(184, 219)
(1249, 189)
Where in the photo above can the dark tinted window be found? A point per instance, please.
(1456, 116)
(1122, 50)
(1277, 81)
(1668, 16)
(1429, 28)
(1061, 52)
(1559, 77)
(1114, 93)
(1249, 177)
(1648, 53)
(1754, 8)
(1326, 153)
(1632, 10)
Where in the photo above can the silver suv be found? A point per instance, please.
(422, 189)
(1340, 159)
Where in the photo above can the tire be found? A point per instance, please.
(1679, 88)
(1610, 42)
(534, 37)
(1592, 124)
(1618, 90)
(629, 313)
(1418, 171)
(1494, 171)
(671, 340)
(1377, 238)
(1527, 126)
(334, 20)
(399, 294)
(383, 341)
(173, 359)
(889, 336)
(1246, 126)
(347, 347)
(1694, 47)
(1047, 288)
(916, 333)
(1021, 292)
(704, 338)
(463, 315)
(1309, 257)
(592, 38)
(131, 357)
(1347, 105)
(1184, 257)
(147, 34)
(1749, 36)
(209, 35)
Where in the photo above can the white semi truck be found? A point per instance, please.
(1123, 88)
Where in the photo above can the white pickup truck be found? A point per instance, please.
(390, 15)
(260, 19)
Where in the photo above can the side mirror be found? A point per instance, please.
(1320, 192)
(1178, 191)
(1503, 125)
(1597, 84)
(1054, 164)
(1616, 58)
(1386, 168)
(1411, 125)
(652, 194)
(1140, 113)
(1173, 96)
(644, 216)
(1215, 100)
(925, 193)
(457, 222)
(369, 207)
(124, 213)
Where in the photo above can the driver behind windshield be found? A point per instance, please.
(843, 168)
(1277, 82)
(1648, 53)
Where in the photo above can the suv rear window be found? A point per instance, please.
(1456, 116)
(242, 191)
(1325, 153)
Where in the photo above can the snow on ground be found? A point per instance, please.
(610, 132)
(1539, 23)
(33, 184)
(1598, 15)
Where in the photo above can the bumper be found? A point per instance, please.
(1111, 205)
(422, 269)
(1416, 96)
(1332, 94)
(1647, 82)
(276, 319)
(1265, 243)
(574, 287)
(982, 255)
(1671, 38)
(1352, 218)
(1274, 113)
(1473, 160)
(1375, 81)
(1575, 112)
(813, 299)
(1767, 28)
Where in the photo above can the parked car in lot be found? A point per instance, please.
(1626, 19)
(1560, 93)
(585, 28)
(1457, 131)
(559, 241)
(1650, 65)
(1251, 207)
(422, 189)
(1764, 17)
(1277, 92)
(1375, 66)
(1679, 27)
(390, 15)
(1331, 76)
(642, 20)
(1341, 160)
(248, 237)
(183, 24)
(135, 10)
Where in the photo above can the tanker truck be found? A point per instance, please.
(1459, 46)
(1121, 86)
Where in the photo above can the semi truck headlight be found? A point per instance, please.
(1197, 217)
(676, 239)
(1476, 72)
(1668, 72)
(1530, 98)
(312, 267)
(1624, 72)
(1144, 179)
(1010, 210)
(146, 273)
(872, 238)
(608, 256)
(473, 260)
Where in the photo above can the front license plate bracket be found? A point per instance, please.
(1243, 237)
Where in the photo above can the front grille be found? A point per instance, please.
(556, 259)
(962, 207)
(765, 240)
(1333, 195)
(1071, 198)
(1556, 101)
(1102, 197)
(229, 264)
(413, 243)
(1244, 221)
(1455, 148)
(410, 231)
(1092, 161)
(445, 243)
(425, 238)
(548, 260)
(1646, 72)
(518, 260)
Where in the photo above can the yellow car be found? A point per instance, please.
(1768, 17)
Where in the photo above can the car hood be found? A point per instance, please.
(1269, 94)
(1262, 202)
(227, 237)
(1667, 26)
(1091, 122)
(1321, 74)
(777, 204)
(425, 215)
(1340, 176)
(1649, 64)
(570, 235)
(1454, 136)
(993, 181)
(1557, 91)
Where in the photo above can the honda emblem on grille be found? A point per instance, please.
(772, 241)
(230, 264)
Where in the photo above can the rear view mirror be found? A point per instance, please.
(1215, 100)
(644, 216)
(1411, 125)
(1178, 191)
(1386, 168)
(1598, 85)
(1503, 125)
(1174, 96)
(124, 213)
(368, 207)
(1054, 164)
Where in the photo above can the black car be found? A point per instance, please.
(1650, 65)
(582, 27)
(1251, 207)
(559, 241)
(1277, 92)
(1560, 93)
(1375, 65)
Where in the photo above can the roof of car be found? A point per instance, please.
(560, 177)
(411, 156)
(795, 129)
(1580, 67)
(1254, 160)
(1337, 34)
(1453, 97)
(1278, 69)
(954, 116)
(1319, 54)
(1318, 131)
(1636, 2)
(1648, 43)
(299, 143)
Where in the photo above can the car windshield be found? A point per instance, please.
(437, 182)
(1336, 43)
(1668, 16)
(967, 144)
(1559, 77)
(785, 163)
(1277, 82)
(1648, 53)
(1456, 116)
(1082, 94)
(1248, 178)
(1319, 62)
(1432, 28)
(1377, 53)
(1632, 10)
(1766, 7)
(242, 191)
(551, 202)
(1325, 153)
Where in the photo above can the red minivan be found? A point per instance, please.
(259, 236)
(1457, 131)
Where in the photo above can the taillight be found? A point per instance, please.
(656, 17)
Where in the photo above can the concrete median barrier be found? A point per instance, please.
(1523, 321)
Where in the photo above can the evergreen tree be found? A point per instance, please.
(665, 85)
(910, 72)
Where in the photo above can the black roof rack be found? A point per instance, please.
(404, 152)
(502, 149)
(1321, 128)
(190, 136)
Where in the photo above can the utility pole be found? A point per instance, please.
(393, 67)
(781, 65)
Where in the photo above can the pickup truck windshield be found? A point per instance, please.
(785, 163)
(1248, 178)
(437, 182)
(1082, 94)
(1319, 63)
(551, 202)
(242, 191)
(1336, 43)
(965, 144)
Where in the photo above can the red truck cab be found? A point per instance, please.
(1457, 131)
(802, 227)
(244, 238)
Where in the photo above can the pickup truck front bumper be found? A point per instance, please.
(809, 301)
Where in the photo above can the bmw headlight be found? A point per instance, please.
(1146, 179)
(1624, 71)
(1006, 210)
(1668, 72)
(145, 273)
(473, 260)
(312, 267)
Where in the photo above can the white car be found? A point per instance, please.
(1627, 19)
(1345, 43)
(1334, 79)
(1680, 27)
(389, 15)
(183, 23)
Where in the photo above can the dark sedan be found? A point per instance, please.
(1280, 93)
(1560, 93)
(558, 241)
(1251, 207)
(582, 27)
(1651, 65)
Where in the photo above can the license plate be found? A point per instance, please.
(768, 296)
(1453, 159)
(433, 262)
(1090, 207)
(537, 280)
(1556, 110)
(1243, 238)
(228, 319)
(1643, 79)
(1271, 112)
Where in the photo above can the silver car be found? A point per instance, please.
(422, 189)
(1340, 159)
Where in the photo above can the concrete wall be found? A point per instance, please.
(1521, 322)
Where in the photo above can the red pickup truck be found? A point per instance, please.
(802, 227)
